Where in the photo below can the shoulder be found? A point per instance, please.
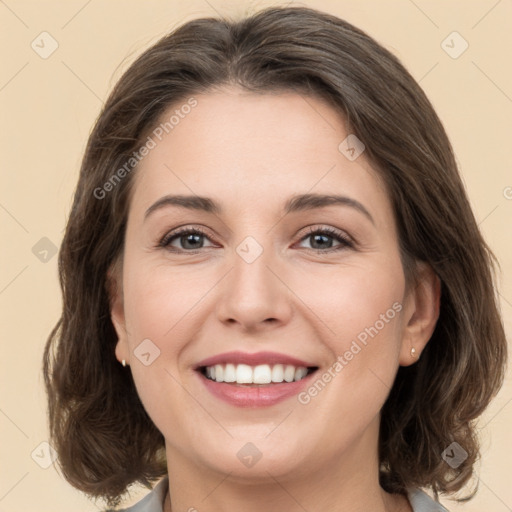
(152, 502)
(422, 502)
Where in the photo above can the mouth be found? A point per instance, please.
(254, 380)
(255, 376)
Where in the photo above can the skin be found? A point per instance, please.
(250, 152)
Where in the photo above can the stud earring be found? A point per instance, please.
(123, 362)
(413, 352)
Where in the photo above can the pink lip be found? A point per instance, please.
(237, 357)
(263, 395)
(241, 395)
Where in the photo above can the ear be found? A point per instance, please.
(420, 314)
(114, 287)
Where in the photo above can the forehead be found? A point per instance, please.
(242, 146)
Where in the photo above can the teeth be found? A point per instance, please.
(244, 374)
(219, 373)
(229, 373)
(261, 374)
(289, 373)
(278, 373)
(300, 373)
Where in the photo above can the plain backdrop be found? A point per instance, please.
(49, 102)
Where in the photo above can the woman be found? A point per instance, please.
(276, 296)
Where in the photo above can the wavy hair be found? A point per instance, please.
(103, 436)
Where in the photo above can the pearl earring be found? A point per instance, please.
(413, 352)
(123, 362)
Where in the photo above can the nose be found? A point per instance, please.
(254, 296)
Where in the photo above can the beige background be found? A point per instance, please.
(48, 107)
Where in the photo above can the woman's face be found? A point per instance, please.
(263, 289)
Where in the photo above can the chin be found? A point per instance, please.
(253, 457)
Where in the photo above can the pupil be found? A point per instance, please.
(315, 237)
(189, 238)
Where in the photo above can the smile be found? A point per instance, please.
(258, 375)
(254, 380)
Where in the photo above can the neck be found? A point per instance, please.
(345, 482)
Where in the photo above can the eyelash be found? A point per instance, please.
(345, 241)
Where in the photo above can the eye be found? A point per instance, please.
(320, 238)
(189, 239)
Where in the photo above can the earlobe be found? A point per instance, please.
(422, 314)
(121, 352)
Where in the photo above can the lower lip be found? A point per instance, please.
(257, 395)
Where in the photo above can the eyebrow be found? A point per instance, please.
(296, 203)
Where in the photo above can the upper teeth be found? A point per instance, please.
(261, 374)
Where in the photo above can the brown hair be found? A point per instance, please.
(104, 437)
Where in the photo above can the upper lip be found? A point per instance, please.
(252, 359)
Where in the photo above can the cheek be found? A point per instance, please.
(349, 300)
(161, 305)
(362, 308)
(160, 300)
